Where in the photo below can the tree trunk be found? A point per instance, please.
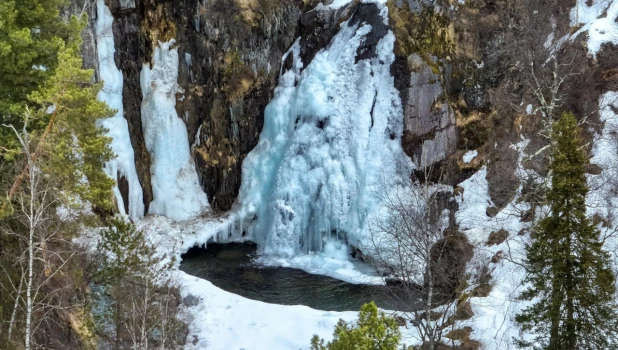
(16, 305)
(31, 223)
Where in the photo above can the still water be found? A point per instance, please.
(231, 268)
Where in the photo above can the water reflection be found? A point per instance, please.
(230, 267)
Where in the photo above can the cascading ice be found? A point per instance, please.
(331, 133)
(118, 129)
(175, 186)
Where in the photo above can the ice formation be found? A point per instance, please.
(331, 133)
(175, 186)
(118, 129)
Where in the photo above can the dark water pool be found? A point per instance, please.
(230, 267)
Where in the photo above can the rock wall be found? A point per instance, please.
(230, 54)
(230, 58)
(446, 70)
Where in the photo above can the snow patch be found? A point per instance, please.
(224, 320)
(175, 186)
(118, 128)
(469, 156)
(602, 200)
(598, 21)
(494, 320)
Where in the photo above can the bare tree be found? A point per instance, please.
(36, 227)
(407, 239)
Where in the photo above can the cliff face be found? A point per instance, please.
(451, 69)
(230, 53)
(230, 60)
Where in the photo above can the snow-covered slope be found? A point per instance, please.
(175, 186)
(597, 18)
(124, 163)
(493, 322)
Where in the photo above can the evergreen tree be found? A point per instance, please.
(48, 132)
(31, 33)
(570, 281)
(135, 293)
(373, 331)
(62, 126)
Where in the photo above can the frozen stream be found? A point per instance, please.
(231, 268)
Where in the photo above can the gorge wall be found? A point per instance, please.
(229, 64)
(475, 81)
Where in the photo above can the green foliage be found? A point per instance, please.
(373, 331)
(77, 145)
(122, 247)
(570, 280)
(31, 33)
(135, 289)
(44, 88)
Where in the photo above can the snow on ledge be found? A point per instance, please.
(469, 156)
(598, 21)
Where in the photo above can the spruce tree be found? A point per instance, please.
(571, 285)
(373, 331)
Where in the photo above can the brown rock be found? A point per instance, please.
(593, 169)
(400, 321)
(492, 211)
(464, 311)
(497, 237)
(497, 257)
(482, 290)
(449, 257)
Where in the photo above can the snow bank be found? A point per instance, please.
(330, 133)
(602, 200)
(493, 321)
(118, 129)
(175, 186)
(337, 4)
(226, 321)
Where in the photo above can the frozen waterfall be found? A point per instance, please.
(175, 186)
(331, 134)
(118, 129)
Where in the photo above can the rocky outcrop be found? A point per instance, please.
(430, 133)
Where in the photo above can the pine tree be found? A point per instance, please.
(570, 281)
(52, 153)
(31, 32)
(373, 331)
(62, 122)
